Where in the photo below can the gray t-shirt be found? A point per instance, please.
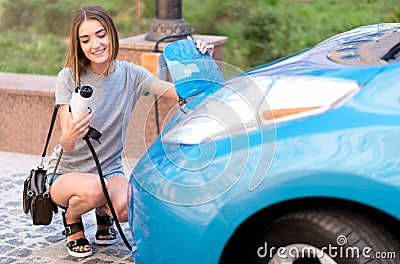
(113, 100)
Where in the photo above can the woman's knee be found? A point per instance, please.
(118, 189)
(97, 197)
(122, 214)
(120, 209)
(94, 194)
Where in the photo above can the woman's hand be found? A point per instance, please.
(203, 47)
(73, 129)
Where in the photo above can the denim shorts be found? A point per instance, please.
(49, 175)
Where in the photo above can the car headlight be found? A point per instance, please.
(247, 103)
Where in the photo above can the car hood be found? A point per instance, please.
(359, 50)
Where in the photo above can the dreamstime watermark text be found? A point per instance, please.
(340, 250)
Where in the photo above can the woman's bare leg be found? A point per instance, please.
(117, 187)
(80, 193)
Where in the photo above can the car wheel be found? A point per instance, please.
(326, 236)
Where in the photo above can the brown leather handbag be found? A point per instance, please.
(36, 197)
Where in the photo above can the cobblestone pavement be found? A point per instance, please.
(22, 242)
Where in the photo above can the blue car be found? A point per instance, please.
(294, 161)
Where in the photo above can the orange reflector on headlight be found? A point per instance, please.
(278, 113)
(293, 97)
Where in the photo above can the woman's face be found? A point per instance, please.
(95, 44)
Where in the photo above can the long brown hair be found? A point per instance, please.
(75, 57)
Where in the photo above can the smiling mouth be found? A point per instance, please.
(98, 52)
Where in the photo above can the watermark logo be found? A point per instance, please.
(329, 252)
(341, 240)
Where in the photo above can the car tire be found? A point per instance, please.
(326, 236)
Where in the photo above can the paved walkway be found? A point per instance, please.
(22, 242)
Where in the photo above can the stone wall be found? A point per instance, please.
(26, 105)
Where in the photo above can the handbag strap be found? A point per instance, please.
(53, 120)
(55, 168)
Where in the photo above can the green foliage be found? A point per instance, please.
(48, 16)
(259, 31)
(124, 13)
(263, 30)
(32, 53)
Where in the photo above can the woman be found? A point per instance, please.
(91, 60)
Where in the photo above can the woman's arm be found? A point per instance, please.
(72, 129)
(163, 88)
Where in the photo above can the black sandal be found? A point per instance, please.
(105, 236)
(74, 246)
